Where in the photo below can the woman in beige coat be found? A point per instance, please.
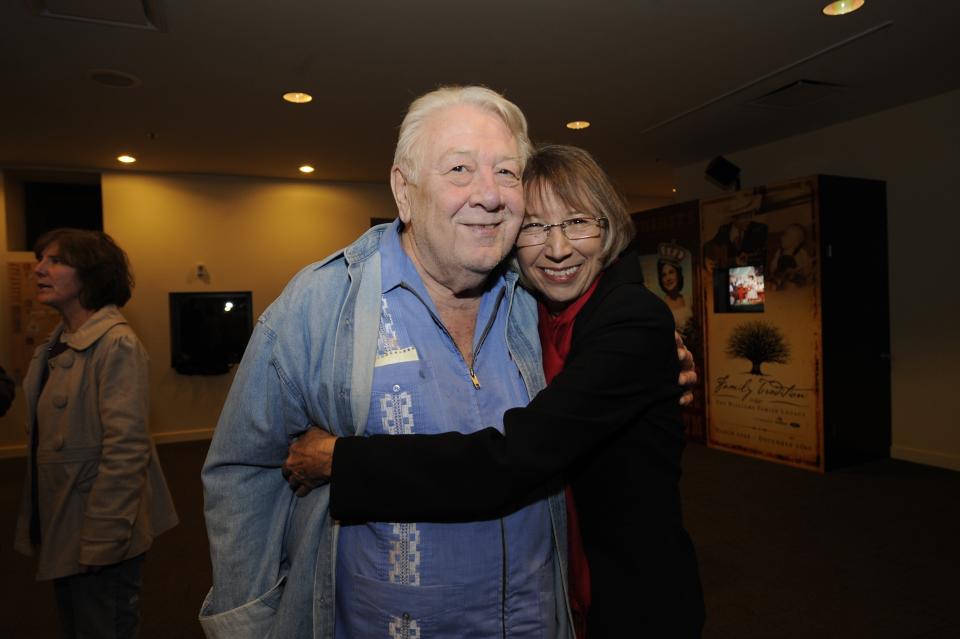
(94, 496)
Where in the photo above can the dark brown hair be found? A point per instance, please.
(102, 267)
(578, 181)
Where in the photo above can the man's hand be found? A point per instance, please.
(309, 460)
(688, 373)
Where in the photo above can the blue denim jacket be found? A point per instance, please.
(310, 361)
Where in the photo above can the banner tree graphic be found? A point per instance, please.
(758, 342)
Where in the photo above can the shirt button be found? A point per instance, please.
(406, 616)
(396, 388)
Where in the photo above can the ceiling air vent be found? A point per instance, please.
(135, 14)
(795, 95)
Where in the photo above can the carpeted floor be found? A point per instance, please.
(870, 551)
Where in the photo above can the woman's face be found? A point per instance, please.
(668, 278)
(57, 282)
(560, 269)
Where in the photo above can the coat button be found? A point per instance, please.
(66, 360)
(59, 401)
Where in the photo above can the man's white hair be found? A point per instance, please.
(409, 153)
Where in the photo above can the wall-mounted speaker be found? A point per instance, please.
(723, 173)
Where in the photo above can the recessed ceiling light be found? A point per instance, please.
(297, 97)
(674, 189)
(306, 168)
(127, 159)
(842, 7)
(578, 124)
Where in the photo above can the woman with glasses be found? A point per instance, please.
(608, 423)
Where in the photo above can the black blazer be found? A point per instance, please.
(609, 423)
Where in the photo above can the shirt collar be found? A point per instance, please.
(396, 266)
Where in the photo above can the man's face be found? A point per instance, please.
(463, 211)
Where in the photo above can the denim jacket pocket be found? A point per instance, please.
(252, 620)
(395, 610)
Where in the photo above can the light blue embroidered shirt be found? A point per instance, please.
(419, 580)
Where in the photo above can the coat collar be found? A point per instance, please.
(624, 271)
(94, 328)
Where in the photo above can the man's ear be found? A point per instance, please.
(401, 193)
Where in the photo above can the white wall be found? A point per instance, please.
(914, 148)
(251, 234)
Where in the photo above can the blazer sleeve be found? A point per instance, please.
(622, 363)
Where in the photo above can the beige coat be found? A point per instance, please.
(102, 494)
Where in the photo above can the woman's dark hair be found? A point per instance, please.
(102, 267)
(660, 265)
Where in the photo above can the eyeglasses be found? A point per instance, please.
(576, 228)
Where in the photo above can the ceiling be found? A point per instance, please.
(664, 82)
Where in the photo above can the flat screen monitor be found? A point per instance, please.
(209, 331)
(745, 289)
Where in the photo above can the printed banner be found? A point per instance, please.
(763, 323)
(669, 241)
(31, 322)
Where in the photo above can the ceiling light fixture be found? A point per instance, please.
(576, 125)
(297, 97)
(842, 7)
(306, 168)
(126, 159)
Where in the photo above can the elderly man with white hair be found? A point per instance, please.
(413, 328)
